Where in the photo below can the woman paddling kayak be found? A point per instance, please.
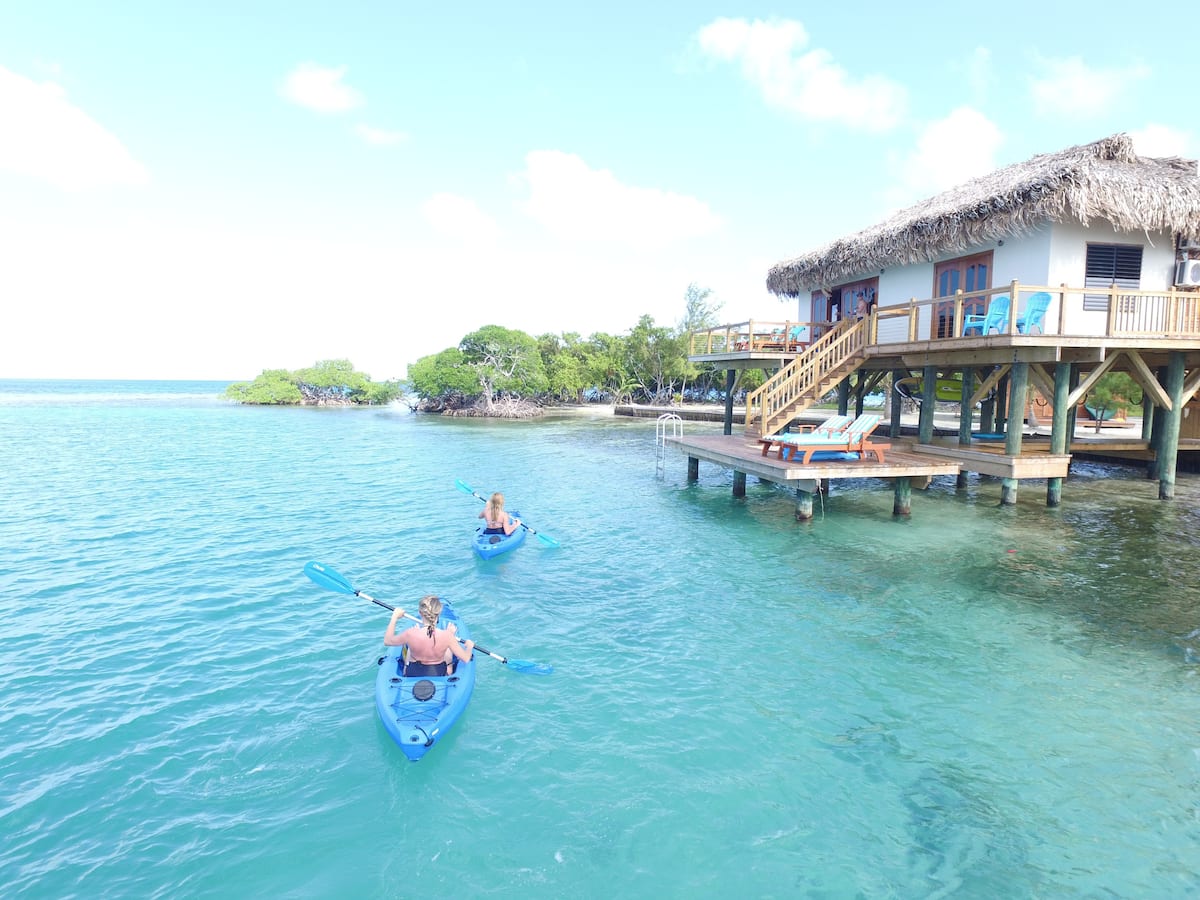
(430, 650)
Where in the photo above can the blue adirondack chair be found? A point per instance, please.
(1035, 313)
(996, 317)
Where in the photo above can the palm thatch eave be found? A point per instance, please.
(1104, 180)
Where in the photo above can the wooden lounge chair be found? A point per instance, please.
(855, 439)
(781, 442)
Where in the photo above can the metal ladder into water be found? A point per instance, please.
(665, 421)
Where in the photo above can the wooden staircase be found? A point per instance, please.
(806, 379)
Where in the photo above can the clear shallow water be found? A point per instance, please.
(974, 702)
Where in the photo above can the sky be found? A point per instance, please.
(209, 190)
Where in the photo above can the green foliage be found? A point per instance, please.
(505, 361)
(655, 359)
(442, 375)
(328, 381)
(273, 386)
(565, 361)
(700, 314)
(1111, 391)
(648, 364)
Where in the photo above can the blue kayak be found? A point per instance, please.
(489, 545)
(418, 711)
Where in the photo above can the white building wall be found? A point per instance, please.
(1051, 256)
(1068, 257)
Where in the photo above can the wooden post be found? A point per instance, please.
(739, 484)
(729, 379)
(1058, 428)
(693, 469)
(897, 404)
(1169, 457)
(902, 497)
(1002, 403)
(1016, 426)
(804, 505)
(928, 404)
(1157, 427)
(966, 415)
(844, 396)
(987, 414)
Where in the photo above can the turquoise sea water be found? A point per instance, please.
(974, 702)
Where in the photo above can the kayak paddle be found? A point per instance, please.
(544, 538)
(333, 580)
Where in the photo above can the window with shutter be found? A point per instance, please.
(1109, 264)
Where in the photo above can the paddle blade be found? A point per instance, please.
(529, 668)
(328, 578)
(546, 539)
(463, 486)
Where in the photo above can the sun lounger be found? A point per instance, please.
(779, 442)
(855, 439)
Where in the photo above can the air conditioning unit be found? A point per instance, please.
(1187, 273)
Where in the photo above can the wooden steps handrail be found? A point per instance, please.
(806, 379)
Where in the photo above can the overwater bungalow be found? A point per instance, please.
(1034, 280)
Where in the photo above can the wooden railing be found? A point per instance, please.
(806, 379)
(1074, 312)
(839, 348)
(756, 336)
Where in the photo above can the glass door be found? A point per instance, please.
(968, 273)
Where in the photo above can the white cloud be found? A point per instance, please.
(1161, 141)
(948, 151)
(459, 217)
(1069, 87)
(809, 84)
(578, 203)
(320, 88)
(379, 136)
(47, 137)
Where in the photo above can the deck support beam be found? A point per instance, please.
(897, 406)
(804, 499)
(730, 377)
(739, 484)
(1157, 429)
(928, 404)
(1058, 427)
(965, 416)
(1168, 458)
(693, 473)
(1019, 394)
(902, 497)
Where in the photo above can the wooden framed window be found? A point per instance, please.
(819, 311)
(847, 297)
(1109, 264)
(967, 273)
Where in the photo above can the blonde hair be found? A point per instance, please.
(430, 609)
(495, 506)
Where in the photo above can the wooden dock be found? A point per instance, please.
(907, 465)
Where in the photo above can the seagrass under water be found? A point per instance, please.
(979, 701)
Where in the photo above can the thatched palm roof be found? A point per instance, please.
(1104, 180)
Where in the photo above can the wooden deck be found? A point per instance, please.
(744, 454)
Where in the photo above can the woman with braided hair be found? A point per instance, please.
(429, 650)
